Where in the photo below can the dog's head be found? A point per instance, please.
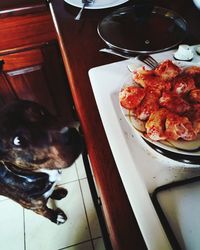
(31, 138)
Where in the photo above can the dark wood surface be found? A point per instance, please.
(79, 43)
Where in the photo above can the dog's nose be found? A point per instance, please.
(69, 135)
(64, 130)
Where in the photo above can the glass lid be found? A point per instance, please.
(142, 29)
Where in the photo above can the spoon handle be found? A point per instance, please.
(78, 17)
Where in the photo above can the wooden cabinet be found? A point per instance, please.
(32, 68)
(37, 74)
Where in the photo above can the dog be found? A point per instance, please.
(34, 148)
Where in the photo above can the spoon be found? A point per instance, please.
(85, 3)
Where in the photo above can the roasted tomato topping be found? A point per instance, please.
(168, 101)
(179, 127)
(130, 97)
(194, 95)
(149, 79)
(192, 71)
(183, 85)
(174, 103)
(167, 70)
(155, 126)
(194, 116)
(149, 104)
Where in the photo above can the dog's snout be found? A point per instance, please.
(69, 135)
(64, 130)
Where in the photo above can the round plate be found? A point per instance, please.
(180, 147)
(185, 158)
(142, 29)
(98, 4)
(181, 150)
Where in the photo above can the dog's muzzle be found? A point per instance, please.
(70, 136)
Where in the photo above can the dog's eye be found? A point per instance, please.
(19, 141)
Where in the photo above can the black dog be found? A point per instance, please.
(33, 150)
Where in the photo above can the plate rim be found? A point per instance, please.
(119, 2)
(185, 158)
(158, 143)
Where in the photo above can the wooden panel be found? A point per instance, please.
(22, 59)
(22, 9)
(26, 30)
(6, 93)
(32, 86)
(19, 3)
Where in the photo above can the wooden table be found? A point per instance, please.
(80, 43)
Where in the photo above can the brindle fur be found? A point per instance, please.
(31, 141)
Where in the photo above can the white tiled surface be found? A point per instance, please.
(90, 210)
(12, 226)
(21, 229)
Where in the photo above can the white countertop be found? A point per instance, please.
(140, 167)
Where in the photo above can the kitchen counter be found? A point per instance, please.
(80, 43)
